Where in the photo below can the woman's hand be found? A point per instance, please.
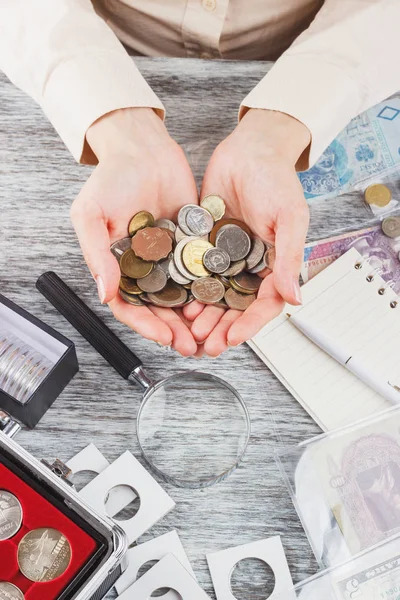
(254, 171)
(140, 168)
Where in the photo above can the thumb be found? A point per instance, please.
(290, 235)
(91, 229)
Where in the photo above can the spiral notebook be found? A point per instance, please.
(354, 306)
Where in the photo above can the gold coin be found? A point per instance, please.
(134, 267)
(43, 554)
(378, 194)
(129, 286)
(139, 221)
(215, 206)
(192, 257)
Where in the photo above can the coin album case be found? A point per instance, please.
(98, 546)
(57, 351)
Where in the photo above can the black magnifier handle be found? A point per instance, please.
(60, 295)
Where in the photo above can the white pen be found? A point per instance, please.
(341, 355)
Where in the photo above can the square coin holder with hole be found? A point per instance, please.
(167, 573)
(153, 550)
(57, 350)
(127, 471)
(98, 545)
(91, 459)
(270, 551)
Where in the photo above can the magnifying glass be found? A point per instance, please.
(199, 413)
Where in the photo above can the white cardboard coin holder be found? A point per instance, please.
(270, 551)
(155, 549)
(91, 459)
(167, 573)
(127, 471)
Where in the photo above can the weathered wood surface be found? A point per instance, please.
(38, 181)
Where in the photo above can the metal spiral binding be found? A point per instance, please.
(377, 271)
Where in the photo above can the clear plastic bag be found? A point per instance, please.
(345, 486)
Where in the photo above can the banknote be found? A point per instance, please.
(382, 253)
(368, 147)
(380, 581)
(359, 474)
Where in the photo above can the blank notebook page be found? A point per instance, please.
(348, 308)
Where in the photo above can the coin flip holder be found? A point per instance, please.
(48, 503)
(36, 363)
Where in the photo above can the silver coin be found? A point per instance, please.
(120, 246)
(216, 260)
(164, 264)
(208, 290)
(8, 591)
(223, 228)
(199, 221)
(154, 281)
(256, 253)
(179, 235)
(391, 227)
(10, 515)
(235, 242)
(182, 218)
(176, 275)
(178, 258)
(235, 268)
(258, 268)
(44, 554)
(165, 224)
(133, 299)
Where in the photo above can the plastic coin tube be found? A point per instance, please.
(193, 427)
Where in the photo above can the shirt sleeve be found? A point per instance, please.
(344, 63)
(67, 58)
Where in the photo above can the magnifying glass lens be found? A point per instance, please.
(193, 429)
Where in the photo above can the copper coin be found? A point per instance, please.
(238, 301)
(139, 221)
(129, 286)
(269, 256)
(8, 591)
(133, 266)
(256, 253)
(133, 299)
(10, 515)
(43, 555)
(172, 296)
(208, 290)
(235, 242)
(152, 244)
(223, 222)
(154, 282)
(246, 283)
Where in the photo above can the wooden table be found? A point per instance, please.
(38, 181)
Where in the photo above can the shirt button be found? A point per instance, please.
(209, 5)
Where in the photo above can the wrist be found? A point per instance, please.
(126, 131)
(279, 133)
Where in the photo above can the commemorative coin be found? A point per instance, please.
(10, 515)
(8, 591)
(43, 555)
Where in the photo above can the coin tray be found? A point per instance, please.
(38, 512)
(57, 349)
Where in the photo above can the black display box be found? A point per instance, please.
(57, 348)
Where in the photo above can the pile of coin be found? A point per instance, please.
(202, 257)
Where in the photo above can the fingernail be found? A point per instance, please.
(297, 292)
(168, 346)
(101, 289)
(234, 345)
